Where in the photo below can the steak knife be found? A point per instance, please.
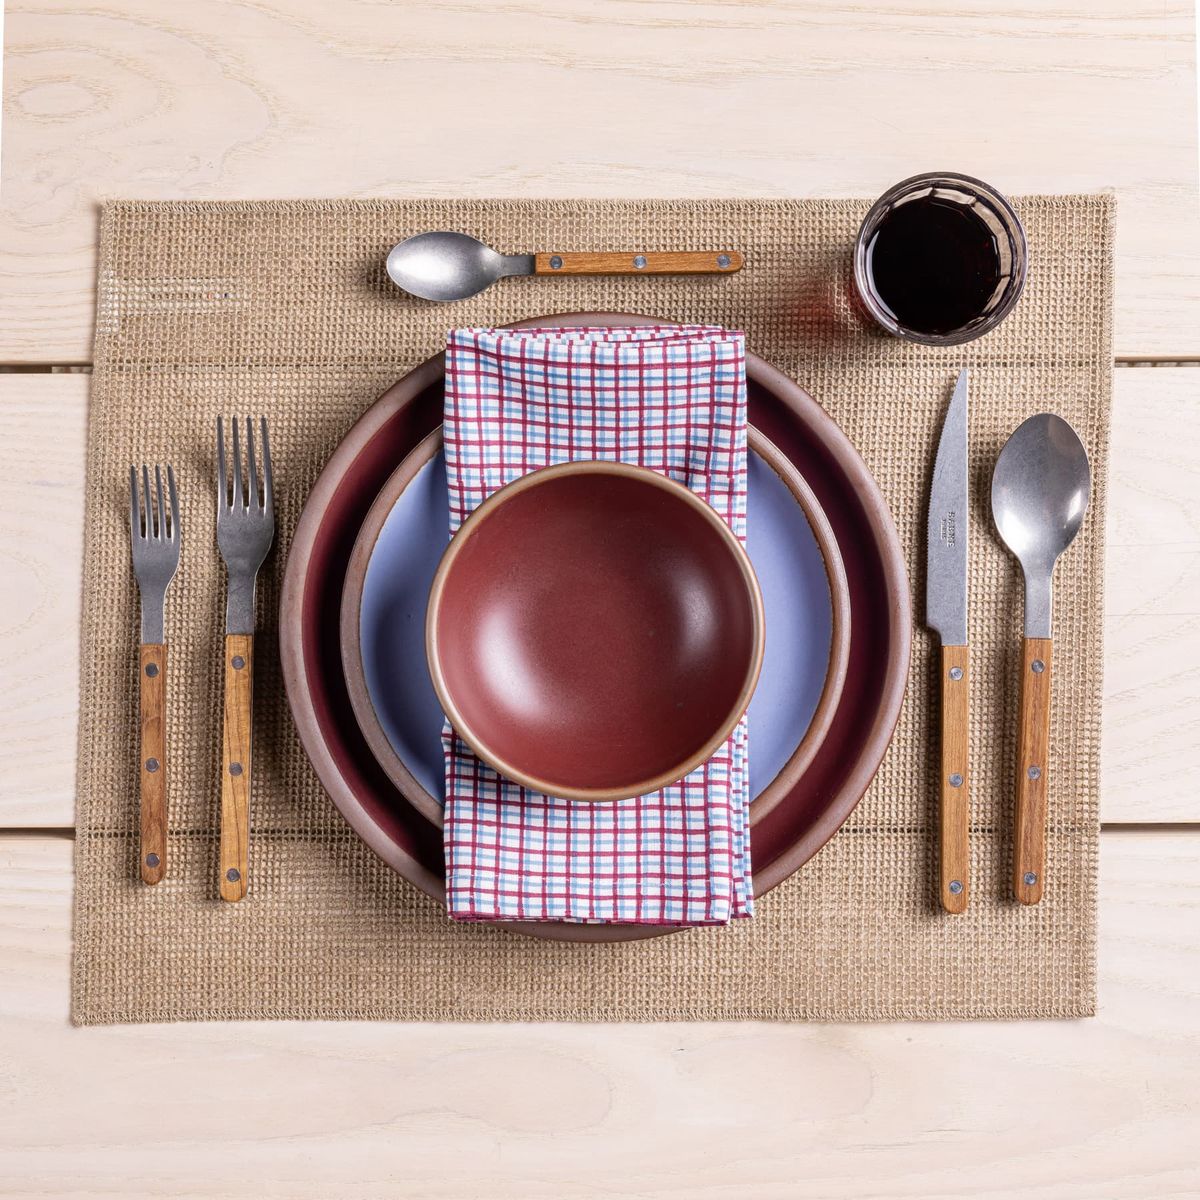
(946, 615)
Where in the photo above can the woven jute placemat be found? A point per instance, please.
(284, 309)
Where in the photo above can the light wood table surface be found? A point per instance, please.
(280, 98)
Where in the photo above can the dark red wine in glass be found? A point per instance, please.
(940, 259)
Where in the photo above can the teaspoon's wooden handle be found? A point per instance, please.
(235, 765)
(152, 695)
(634, 262)
(955, 788)
(1033, 771)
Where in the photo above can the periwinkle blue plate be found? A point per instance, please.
(800, 671)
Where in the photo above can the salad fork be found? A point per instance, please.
(245, 530)
(154, 541)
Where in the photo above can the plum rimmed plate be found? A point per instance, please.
(795, 557)
(803, 820)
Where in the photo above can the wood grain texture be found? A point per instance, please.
(660, 1112)
(1151, 735)
(152, 703)
(1032, 775)
(698, 262)
(1151, 751)
(42, 450)
(296, 98)
(954, 787)
(236, 753)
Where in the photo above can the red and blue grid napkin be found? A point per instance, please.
(671, 398)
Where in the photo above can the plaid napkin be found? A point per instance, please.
(672, 399)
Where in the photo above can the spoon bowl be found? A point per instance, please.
(1040, 492)
(445, 266)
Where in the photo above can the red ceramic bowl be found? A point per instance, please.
(594, 631)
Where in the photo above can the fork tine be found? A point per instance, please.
(252, 490)
(162, 512)
(222, 477)
(237, 466)
(135, 516)
(147, 501)
(171, 492)
(268, 486)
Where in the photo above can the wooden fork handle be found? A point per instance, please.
(633, 262)
(235, 764)
(955, 785)
(152, 694)
(1033, 771)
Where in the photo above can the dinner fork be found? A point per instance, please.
(245, 530)
(154, 540)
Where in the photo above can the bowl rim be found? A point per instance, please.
(477, 520)
(354, 669)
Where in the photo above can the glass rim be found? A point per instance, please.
(981, 325)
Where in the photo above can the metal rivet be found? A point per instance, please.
(639, 261)
(237, 662)
(1037, 666)
(555, 261)
(1030, 878)
(955, 887)
(152, 860)
(233, 874)
(956, 673)
(152, 765)
(956, 780)
(723, 260)
(1035, 772)
(152, 669)
(235, 768)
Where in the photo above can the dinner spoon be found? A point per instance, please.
(452, 266)
(1040, 491)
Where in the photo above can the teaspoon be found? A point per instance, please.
(452, 266)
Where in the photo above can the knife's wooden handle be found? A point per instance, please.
(1033, 771)
(235, 764)
(634, 262)
(152, 694)
(955, 788)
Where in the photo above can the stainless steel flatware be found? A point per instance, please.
(245, 530)
(154, 540)
(452, 266)
(1040, 491)
(946, 614)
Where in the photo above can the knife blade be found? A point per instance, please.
(946, 615)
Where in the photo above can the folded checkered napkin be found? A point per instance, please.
(673, 399)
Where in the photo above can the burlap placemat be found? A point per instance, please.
(284, 309)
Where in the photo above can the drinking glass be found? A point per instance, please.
(955, 225)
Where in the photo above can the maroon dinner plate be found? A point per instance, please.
(786, 837)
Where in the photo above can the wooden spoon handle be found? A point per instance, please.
(152, 694)
(955, 787)
(235, 764)
(666, 262)
(1033, 771)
